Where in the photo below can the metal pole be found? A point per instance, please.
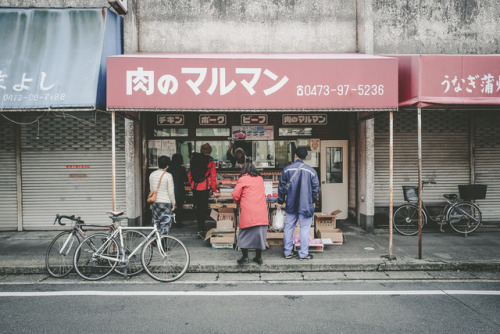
(419, 183)
(113, 159)
(391, 184)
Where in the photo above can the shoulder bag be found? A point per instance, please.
(287, 185)
(153, 193)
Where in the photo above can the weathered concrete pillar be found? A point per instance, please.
(132, 173)
(366, 174)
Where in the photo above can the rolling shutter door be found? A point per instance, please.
(66, 168)
(445, 154)
(8, 187)
(487, 161)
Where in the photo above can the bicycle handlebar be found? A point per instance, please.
(72, 217)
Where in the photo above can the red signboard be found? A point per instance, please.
(251, 81)
(449, 79)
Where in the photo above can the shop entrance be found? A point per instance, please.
(334, 176)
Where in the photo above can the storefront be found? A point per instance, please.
(459, 98)
(266, 105)
(55, 134)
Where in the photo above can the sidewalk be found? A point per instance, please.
(24, 252)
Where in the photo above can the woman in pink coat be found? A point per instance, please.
(250, 194)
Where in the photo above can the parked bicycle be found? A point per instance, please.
(461, 214)
(164, 257)
(61, 251)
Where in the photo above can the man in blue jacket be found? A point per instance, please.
(299, 184)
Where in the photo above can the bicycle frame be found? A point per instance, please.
(78, 228)
(124, 258)
(463, 216)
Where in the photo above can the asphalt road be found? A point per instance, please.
(34, 304)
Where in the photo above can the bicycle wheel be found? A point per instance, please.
(131, 239)
(464, 217)
(167, 263)
(405, 219)
(59, 256)
(89, 263)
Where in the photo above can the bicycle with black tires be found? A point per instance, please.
(61, 251)
(463, 215)
(164, 257)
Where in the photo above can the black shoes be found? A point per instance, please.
(257, 260)
(291, 255)
(308, 257)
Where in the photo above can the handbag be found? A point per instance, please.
(153, 193)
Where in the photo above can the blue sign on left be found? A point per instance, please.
(56, 58)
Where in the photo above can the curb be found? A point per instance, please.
(340, 267)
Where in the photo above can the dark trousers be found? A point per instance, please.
(200, 199)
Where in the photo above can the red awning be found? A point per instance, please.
(426, 80)
(251, 81)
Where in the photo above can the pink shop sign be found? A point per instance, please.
(251, 82)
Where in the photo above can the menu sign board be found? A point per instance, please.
(170, 119)
(212, 119)
(304, 119)
(253, 119)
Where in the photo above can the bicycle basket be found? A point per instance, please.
(470, 192)
(410, 193)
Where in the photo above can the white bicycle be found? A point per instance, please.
(164, 257)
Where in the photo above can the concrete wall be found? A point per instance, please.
(430, 26)
(247, 26)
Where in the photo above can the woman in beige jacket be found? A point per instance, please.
(165, 198)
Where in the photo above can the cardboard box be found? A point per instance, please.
(325, 220)
(274, 242)
(223, 246)
(225, 219)
(223, 205)
(334, 234)
(217, 237)
(274, 235)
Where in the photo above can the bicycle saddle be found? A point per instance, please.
(451, 197)
(116, 213)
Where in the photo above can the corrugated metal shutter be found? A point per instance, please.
(487, 161)
(66, 168)
(8, 188)
(445, 153)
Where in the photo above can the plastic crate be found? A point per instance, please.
(410, 193)
(469, 192)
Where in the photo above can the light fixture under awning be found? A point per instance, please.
(56, 58)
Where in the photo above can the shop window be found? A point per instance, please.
(283, 132)
(185, 148)
(171, 132)
(334, 165)
(159, 147)
(213, 132)
(219, 148)
(263, 154)
(283, 153)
